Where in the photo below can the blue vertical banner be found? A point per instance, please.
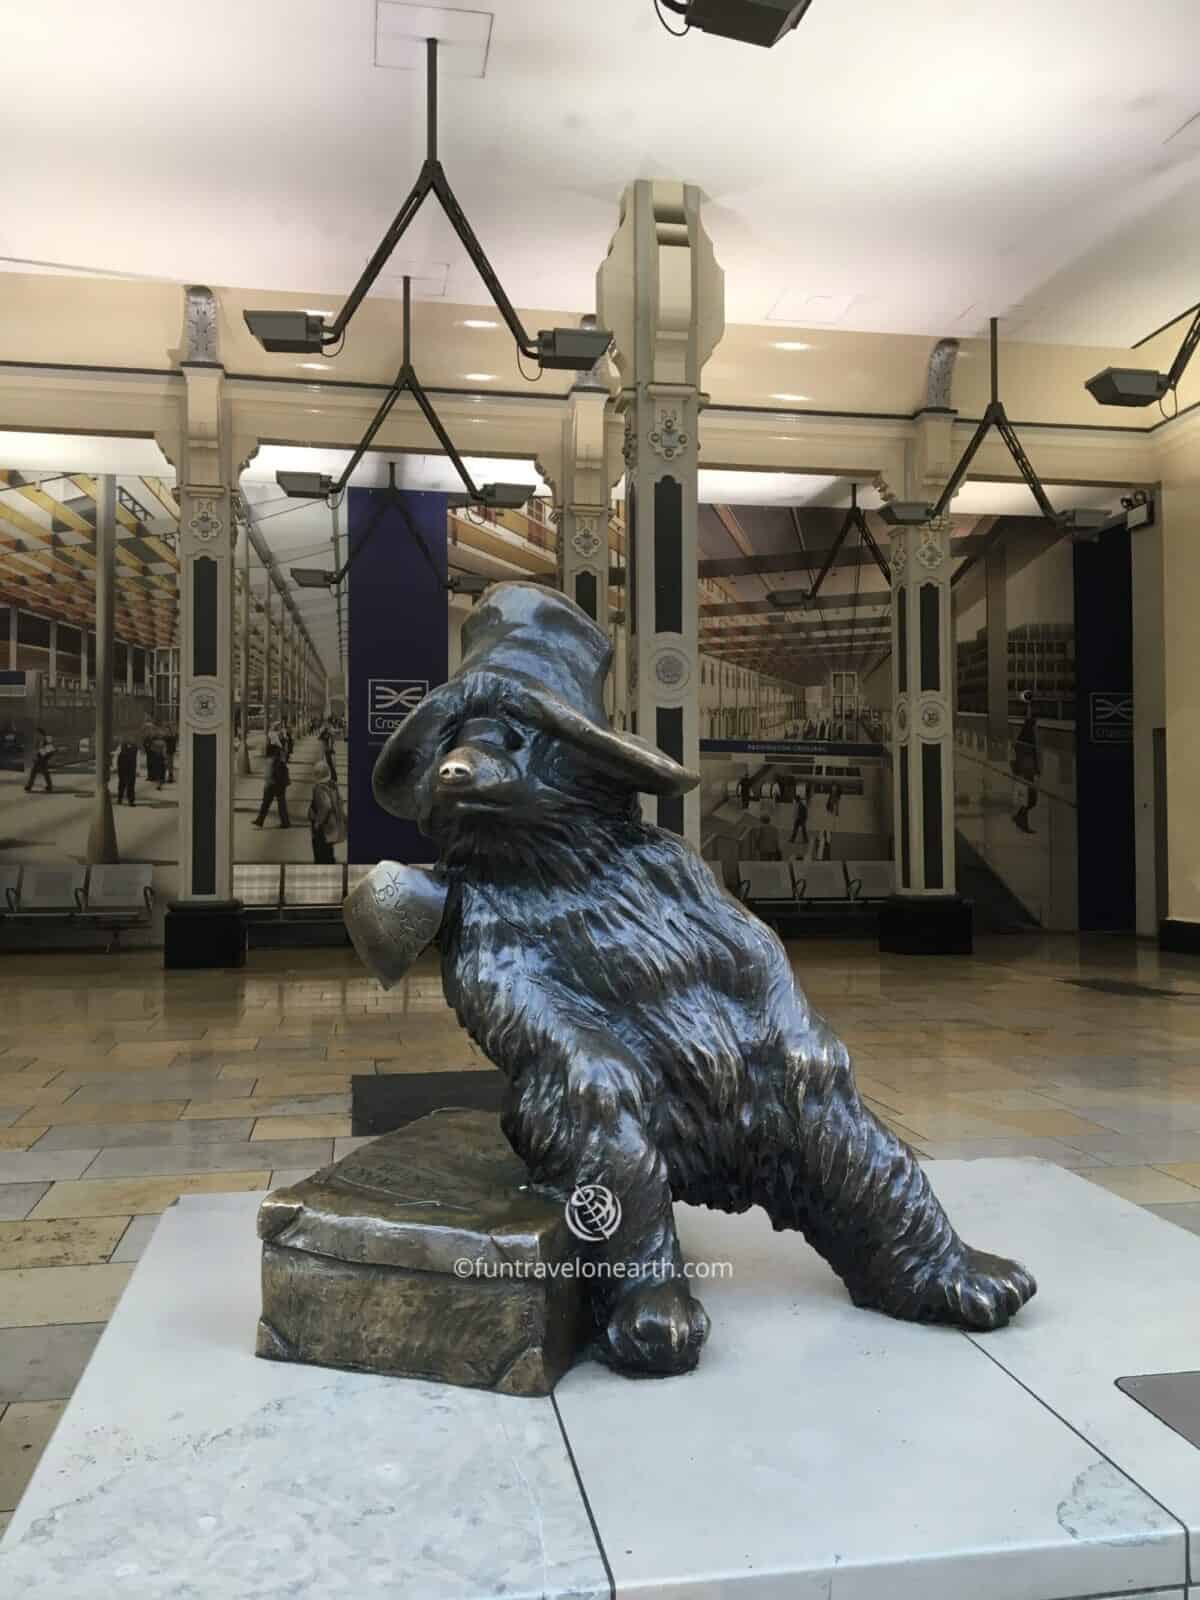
(399, 643)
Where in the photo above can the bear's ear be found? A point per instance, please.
(395, 778)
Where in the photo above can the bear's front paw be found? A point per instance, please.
(983, 1291)
(655, 1331)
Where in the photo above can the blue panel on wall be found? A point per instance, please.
(399, 637)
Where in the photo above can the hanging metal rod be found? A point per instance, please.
(320, 486)
(914, 513)
(568, 349)
(856, 521)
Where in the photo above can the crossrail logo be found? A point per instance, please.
(1112, 718)
(389, 700)
(593, 1212)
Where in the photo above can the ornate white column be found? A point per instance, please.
(102, 834)
(662, 293)
(268, 662)
(926, 916)
(287, 663)
(244, 674)
(204, 927)
(583, 484)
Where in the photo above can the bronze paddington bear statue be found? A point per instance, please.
(650, 1029)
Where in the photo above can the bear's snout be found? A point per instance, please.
(475, 773)
(457, 769)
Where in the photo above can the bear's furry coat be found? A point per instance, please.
(656, 1042)
(650, 1029)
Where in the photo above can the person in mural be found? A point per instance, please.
(800, 816)
(745, 790)
(170, 746)
(127, 756)
(157, 759)
(43, 750)
(762, 842)
(1026, 766)
(326, 818)
(833, 800)
(275, 789)
(326, 737)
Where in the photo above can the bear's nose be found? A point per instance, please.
(455, 771)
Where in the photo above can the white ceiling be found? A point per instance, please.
(907, 167)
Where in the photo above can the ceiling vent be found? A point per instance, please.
(464, 38)
(428, 279)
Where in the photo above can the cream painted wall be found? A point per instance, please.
(1179, 510)
(1149, 711)
(93, 321)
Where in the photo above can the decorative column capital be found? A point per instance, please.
(660, 289)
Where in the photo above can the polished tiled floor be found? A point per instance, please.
(122, 1087)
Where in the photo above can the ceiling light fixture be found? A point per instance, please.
(480, 377)
(914, 513)
(566, 349)
(476, 322)
(1139, 386)
(791, 344)
(793, 399)
(750, 21)
(319, 486)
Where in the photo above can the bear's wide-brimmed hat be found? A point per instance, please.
(534, 650)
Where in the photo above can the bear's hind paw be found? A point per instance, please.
(982, 1292)
(655, 1331)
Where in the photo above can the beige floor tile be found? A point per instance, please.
(81, 1112)
(932, 1123)
(375, 1049)
(1146, 1185)
(56, 1056)
(123, 1197)
(1047, 1124)
(160, 1053)
(1185, 1171)
(70, 1242)
(30, 1297)
(17, 1086)
(293, 1083)
(14, 1093)
(25, 1430)
(996, 1100)
(21, 1135)
(286, 1177)
(268, 1128)
(298, 1104)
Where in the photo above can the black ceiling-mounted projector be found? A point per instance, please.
(1139, 386)
(751, 21)
(1128, 386)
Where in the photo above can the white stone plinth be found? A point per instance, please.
(185, 1466)
(819, 1451)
